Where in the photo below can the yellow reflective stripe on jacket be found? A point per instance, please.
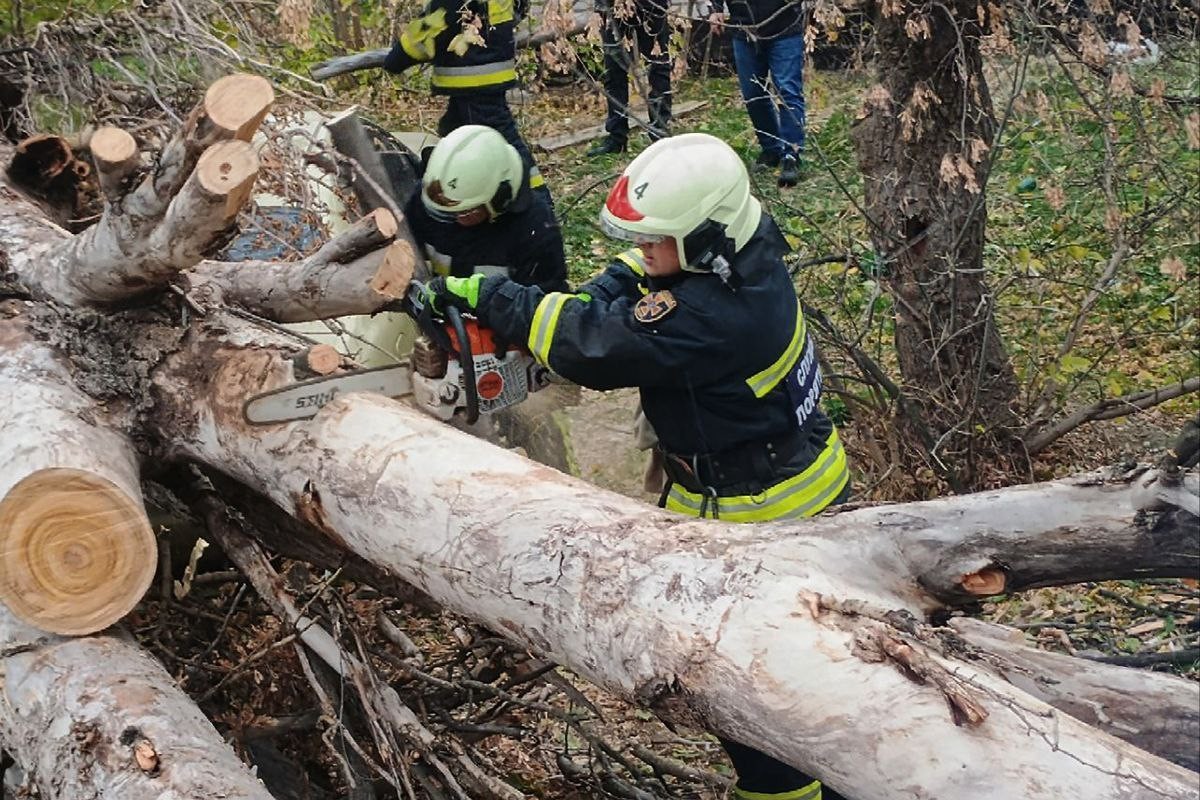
(471, 77)
(500, 11)
(545, 320)
(810, 792)
(417, 40)
(762, 382)
(798, 496)
(636, 262)
(633, 259)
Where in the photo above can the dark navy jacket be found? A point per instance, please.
(524, 243)
(714, 373)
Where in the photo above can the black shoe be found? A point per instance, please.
(607, 146)
(766, 161)
(789, 171)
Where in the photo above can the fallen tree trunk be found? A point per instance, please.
(680, 614)
(97, 717)
(77, 549)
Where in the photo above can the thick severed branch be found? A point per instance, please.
(77, 550)
(97, 717)
(357, 272)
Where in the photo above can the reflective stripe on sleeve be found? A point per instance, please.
(499, 11)
(633, 259)
(762, 382)
(417, 40)
(472, 77)
(545, 320)
(798, 496)
(810, 792)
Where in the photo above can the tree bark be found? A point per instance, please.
(78, 549)
(680, 614)
(923, 142)
(1157, 712)
(97, 717)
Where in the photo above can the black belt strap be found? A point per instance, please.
(758, 461)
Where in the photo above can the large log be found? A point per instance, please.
(686, 615)
(97, 717)
(76, 549)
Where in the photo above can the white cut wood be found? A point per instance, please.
(116, 156)
(96, 717)
(358, 272)
(77, 551)
(705, 619)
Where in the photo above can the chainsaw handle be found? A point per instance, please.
(466, 362)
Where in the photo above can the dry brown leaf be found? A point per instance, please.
(1173, 267)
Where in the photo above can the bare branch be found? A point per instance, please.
(1109, 408)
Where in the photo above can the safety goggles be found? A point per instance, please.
(435, 201)
(639, 238)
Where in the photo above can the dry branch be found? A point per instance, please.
(1110, 408)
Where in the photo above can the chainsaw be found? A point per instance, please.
(455, 367)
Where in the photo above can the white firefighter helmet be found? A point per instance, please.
(692, 187)
(472, 167)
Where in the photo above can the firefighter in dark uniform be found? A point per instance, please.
(472, 46)
(713, 336)
(475, 213)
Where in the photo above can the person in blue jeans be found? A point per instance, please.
(768, 43)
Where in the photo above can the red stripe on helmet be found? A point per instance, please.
(618, 201)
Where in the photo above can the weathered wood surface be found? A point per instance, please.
(96, 717)
(686, 615)
(357, 272)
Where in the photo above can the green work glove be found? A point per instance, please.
(462, 293)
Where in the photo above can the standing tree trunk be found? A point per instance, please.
(923, 146)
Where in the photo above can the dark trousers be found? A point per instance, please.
(649, 29)
(492, 110)
(759, 774)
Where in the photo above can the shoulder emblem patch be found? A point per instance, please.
(655, 306)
